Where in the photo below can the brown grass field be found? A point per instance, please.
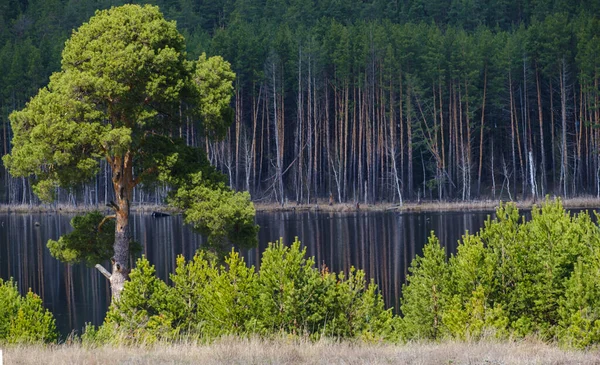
(256, 351)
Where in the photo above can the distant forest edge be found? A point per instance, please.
(364, 101)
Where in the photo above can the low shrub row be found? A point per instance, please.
(206, 300)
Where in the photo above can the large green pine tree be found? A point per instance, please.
(122, 91)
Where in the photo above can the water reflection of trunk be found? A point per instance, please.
(347, 262)
(410, 251)
(40, 263)
(355, 253)
(363, 239)
(69, 292)
(95, 290)
(24, 262)
(334, 242)
(385, 257)
(399, 243)
(318, 246)
(372, 247)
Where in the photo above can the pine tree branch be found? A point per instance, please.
(112, 205)
(113, 216)
(103, 271)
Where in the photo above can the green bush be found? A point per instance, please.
(288, 295)
(423, 295)
(580, 307)
(514, 278)
(24, 319)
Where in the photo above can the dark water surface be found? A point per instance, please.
(381, 243)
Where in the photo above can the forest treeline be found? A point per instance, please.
(364, 101)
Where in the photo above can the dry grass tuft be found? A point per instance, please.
(257, 351)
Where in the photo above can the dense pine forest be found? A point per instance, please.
(363, 101)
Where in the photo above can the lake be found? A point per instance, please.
(381, 243)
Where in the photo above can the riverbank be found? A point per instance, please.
(68, 208)
(424, 206)
(321, 206)
(256, 351)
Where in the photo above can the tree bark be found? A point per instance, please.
(123, 184)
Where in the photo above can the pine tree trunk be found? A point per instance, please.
(123, 184)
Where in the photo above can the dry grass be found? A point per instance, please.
(255, 351)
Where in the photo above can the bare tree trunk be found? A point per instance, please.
(563, 111)
(409, 140)
(532, 176)
(512, 135)
(360, 142)
(345, 141)
(552, 136)
(278, 139)
(481, 132)
(442, 134)
(300, 133)
(238, 128)
(542, 144)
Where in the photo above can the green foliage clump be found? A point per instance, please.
(223, 215)
(513, 278)
(24, 319)
(580, 307)
(214, 300)
(214, 79)
(88, 242)
(288, 295)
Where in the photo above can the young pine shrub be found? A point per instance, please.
(469, 313)
(534, 259)
(373, 322)
(355, 310)
(291, 291)
(233, 303)
(424, 295)
(342, 295)
(296, 298)
(189, 291)
(24, 319)
(215, 300)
